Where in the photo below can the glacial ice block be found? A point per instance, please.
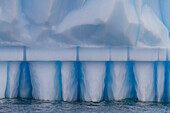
(46, 80)
(92, 86)
(85, 50)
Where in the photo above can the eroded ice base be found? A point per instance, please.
(86, 81)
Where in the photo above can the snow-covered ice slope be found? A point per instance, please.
(85, 50)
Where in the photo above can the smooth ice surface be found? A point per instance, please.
(46, 54)
(93, 54)
(11, 53)
(85, 23)
(143, 54)
(162, 54)
(119, 54)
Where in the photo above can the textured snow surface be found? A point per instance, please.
(85, 23)
(86, 81)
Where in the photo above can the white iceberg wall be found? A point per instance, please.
(46, 80)
(121, 82)
(93, 75)
(86, 80)
(144, 75)
(3, 78)
(13, 73)
(69, 81)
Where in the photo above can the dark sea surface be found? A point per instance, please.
(124, 106)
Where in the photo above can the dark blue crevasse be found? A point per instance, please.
(25, 86)
(132, 80)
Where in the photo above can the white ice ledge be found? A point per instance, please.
(83, 54)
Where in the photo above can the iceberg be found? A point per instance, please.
(85, 50)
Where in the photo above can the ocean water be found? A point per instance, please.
(124, 106)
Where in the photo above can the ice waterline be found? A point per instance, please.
(86, 81)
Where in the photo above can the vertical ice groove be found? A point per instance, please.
(25, 87)
(160, 80)
(13, 79)
(3, 78)
(144, 75)
(167, 83)
(45, 79)
(69, 81)
(121, 86)
(93, 74)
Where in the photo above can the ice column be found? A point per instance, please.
(45, 79)
(144, 75)
(13, 73)
(69, 81)
(93, 75)
(120, 80)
